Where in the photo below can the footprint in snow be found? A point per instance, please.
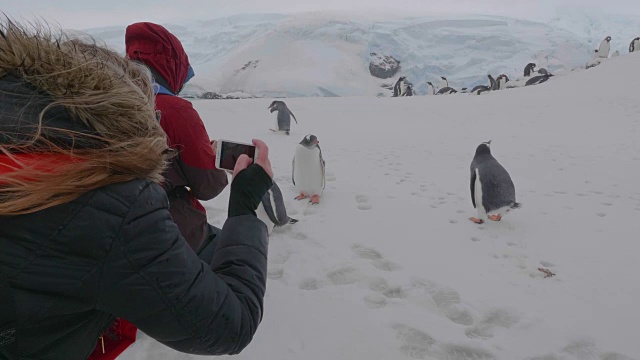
(363, 202)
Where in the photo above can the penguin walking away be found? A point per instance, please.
(492, 191)
(538, 80)
(283, 120)
(605, 46)
(635, 45)
(308, 169)
(272, 210)
(529, 69)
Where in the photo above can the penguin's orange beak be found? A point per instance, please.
(317, 142)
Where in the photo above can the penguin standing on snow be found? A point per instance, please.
(492, 191)
(308, 169)
(431, 90)
(406, 88)
(502, 81)
(283, 120)
(605, 46)
(398, 85)
(445, 89)
(529, 69)
(272, 210)
(635, 45)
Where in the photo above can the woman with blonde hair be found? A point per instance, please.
(85, 230)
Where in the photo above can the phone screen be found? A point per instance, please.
(230, 152)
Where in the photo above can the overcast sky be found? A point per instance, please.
(82, 14)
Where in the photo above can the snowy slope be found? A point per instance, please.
(389, 267)
(328, 53)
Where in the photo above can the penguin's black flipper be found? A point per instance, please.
(294, 117)
(293, 221)
(473, 188)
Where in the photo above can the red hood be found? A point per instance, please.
(158, 48)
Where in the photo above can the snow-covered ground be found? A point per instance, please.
(389, 267)
(328, 53)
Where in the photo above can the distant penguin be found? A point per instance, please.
(308, 169)
(406, 88)
(463, 90)
(502, 81)
(444, 82)
(635, 45)
(483, 88)
(431, 90)
(283, 120)
(605, 46)
(446, 90)
(543, 71)
(492, 191)
(397, 86)
(538, 79)
(272, 210)
(529, 69)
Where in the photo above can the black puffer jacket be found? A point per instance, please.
(115, 251)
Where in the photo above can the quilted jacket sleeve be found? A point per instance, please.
(153, 279)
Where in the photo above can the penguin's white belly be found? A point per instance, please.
(482, 213)
(307, 171)
(636, 45)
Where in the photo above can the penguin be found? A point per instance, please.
(635, 45)
(406, 88)
(529, 69)
(283, 120)
(543, 71)
(463, 90)
(431, 90)
(605, 46)
(484, 88)
(492, 191)
(308, 169)
(444, 82)
(272, 210)
(396, 87)
(446, 90)
(502, 81)
(538, 79)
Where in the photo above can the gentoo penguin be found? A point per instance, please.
(283, 120)
(444, 82)
(463, 90)
(543, 71)
(446, 90)
(308, 169)
(492, 191)
(605, 46)
(484, 88)
(529, 69)
(397, 86)
(502, 81)
(538, 80)
(272, 210)
(406, 88)
(431, 90)
(635, 45)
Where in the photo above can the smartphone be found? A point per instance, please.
(228, 152)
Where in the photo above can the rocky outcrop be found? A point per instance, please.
(383, 66)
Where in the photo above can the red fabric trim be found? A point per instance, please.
(117, 338)
(44, 162)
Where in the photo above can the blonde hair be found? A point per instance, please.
(111, 95)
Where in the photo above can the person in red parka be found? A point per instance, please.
(191, 175)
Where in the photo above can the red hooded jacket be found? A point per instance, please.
(192, 175)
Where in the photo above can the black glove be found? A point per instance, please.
(247, 190)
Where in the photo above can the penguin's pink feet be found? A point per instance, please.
(301, 197)
(476, 220)
(496, 217)
(315, 199)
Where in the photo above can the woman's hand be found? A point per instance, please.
(262, 159)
